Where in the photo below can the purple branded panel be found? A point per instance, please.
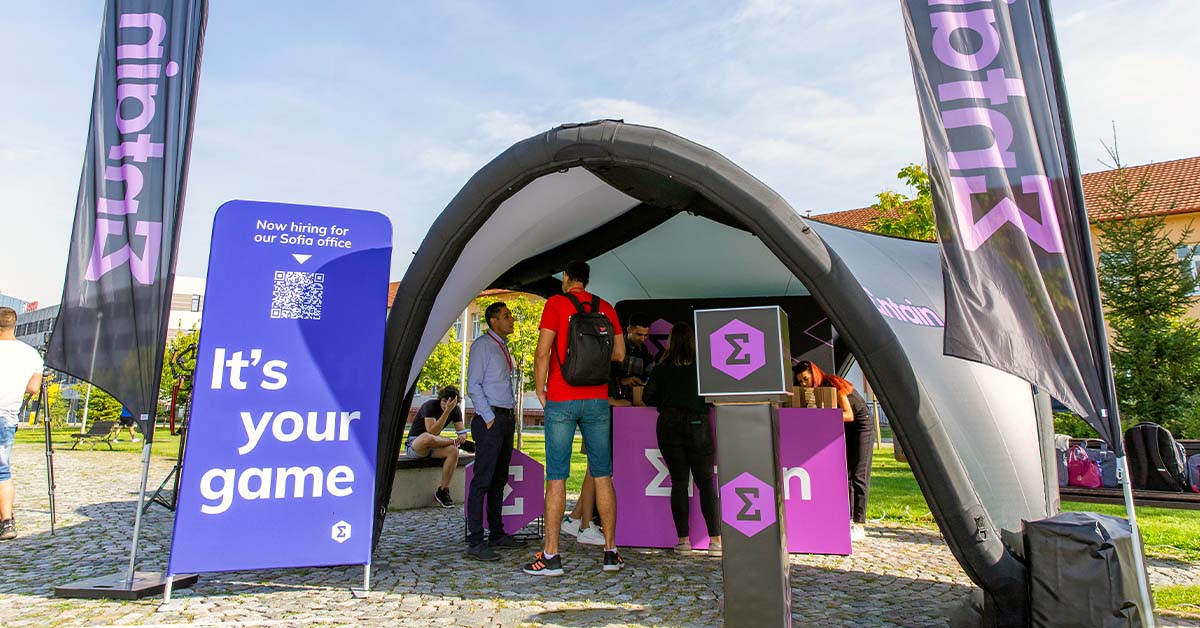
(748, 504)
(644, 487)
(813, 461)
(816, 503)
(523, 495)
(737, 349)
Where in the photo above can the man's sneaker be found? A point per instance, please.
(442, 496)
(543, 566)
(591, 536)
(570, 526)
(506, 541)
(613, 560)
(482, 552)
(714, 549)
(857, 532)
(683, 547)
(8, 530)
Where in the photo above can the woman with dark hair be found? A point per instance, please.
(860, 438)
(685, 435)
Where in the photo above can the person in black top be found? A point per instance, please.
(685, 435)
(860, 438)
(635, 369)
(425, 439)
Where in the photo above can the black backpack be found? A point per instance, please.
(589, 345)
(1156, 461)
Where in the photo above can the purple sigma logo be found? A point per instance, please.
(737, 349)
(748, 504)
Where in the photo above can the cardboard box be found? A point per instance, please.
(822, 397)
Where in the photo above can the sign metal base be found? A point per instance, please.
(117, 587)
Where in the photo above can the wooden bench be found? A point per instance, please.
(1158, 499)
(416, 480)
(100, 432)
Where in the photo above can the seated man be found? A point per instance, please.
(425, 440)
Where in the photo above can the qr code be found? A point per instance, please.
(298, 295)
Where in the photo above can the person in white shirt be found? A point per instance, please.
(20, 374)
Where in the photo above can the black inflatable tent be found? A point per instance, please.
(658, 216)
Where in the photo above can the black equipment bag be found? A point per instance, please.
(589, 345)
(1082, 572)
(1156, 461)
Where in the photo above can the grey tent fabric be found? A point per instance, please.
(710, 229)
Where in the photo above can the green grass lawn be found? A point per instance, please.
(164, 445)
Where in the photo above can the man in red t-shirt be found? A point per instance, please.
(566, 407)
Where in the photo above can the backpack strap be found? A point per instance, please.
(595, 303)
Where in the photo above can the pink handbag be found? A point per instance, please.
(1082, 470)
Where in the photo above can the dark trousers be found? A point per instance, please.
(686, 442)
(860, 441)
(493, 452)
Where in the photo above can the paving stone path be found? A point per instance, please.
(899, 577)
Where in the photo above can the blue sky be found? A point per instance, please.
(392, 106)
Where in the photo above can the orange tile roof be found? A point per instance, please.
(1174, 188)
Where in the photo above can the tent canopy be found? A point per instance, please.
(660, 217)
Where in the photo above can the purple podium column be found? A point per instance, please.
(754, 564)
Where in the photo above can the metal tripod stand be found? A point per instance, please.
(183, 375)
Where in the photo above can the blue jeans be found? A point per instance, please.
(8, 434)
(593, 418)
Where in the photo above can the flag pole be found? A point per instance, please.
(1111, 414)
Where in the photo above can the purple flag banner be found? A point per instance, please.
(1016, 251)
(117, 295)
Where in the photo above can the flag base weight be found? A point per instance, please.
(117, 587)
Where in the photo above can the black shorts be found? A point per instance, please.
(128, 421)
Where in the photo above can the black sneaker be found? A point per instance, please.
(506, 541)
(613, 560)
(442, 496)
(544, 567)
(8, 530)
(482, 552)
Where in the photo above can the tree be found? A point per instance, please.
(1147, 283)
(443, 365)
(907, 217)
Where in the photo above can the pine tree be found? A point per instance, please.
(1147, 290)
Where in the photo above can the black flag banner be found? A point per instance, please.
(1016, 252)
(112, 326)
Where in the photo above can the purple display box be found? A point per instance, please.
(812, 452)
(524, 496)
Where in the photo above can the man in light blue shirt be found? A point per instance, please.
(489, 384)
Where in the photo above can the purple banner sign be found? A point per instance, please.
(812, 454)
(279, 469)
(523, 495)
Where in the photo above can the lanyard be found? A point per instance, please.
(507, 358)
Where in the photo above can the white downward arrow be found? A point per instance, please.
(301, 258)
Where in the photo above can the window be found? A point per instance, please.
(457, 329)
(195, 303)
(476, 329)
(1194, 251)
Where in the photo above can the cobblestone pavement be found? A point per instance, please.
(898, 577)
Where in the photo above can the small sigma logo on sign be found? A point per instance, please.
(340, 532)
